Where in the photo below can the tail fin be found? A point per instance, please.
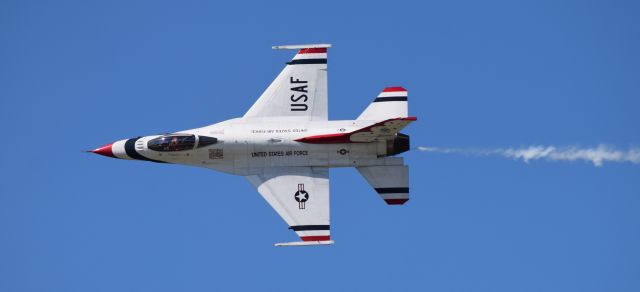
(390, 181)
(391, 103)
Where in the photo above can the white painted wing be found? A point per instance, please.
(300, 195)
(300, 91)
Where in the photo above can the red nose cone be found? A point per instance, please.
(104, 150)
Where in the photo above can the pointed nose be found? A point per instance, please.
(105, 150)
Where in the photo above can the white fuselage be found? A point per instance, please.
(285, 144)
(245, 146)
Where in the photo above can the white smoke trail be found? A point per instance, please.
(596, 155)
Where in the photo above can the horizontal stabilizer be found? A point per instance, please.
(305, 243)
(391, 182)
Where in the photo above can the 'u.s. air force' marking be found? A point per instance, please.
(298, 95)
(280, 153)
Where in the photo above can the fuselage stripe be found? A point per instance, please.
(130, 149)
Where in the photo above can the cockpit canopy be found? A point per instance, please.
(170, 143)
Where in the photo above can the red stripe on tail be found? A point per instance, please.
(394, 89)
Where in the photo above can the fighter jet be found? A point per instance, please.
(285, 144)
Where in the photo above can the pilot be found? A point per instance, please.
(173, 145)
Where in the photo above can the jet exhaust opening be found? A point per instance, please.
(398, 145)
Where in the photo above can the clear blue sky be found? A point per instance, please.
(75, 75)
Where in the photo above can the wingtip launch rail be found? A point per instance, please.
(305, 243)
(297, 47)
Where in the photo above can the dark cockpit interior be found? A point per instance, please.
(170, 143)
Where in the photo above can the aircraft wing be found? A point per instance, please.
(300, 90)
(300, 195)
(381, 131)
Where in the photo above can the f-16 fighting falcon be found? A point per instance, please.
(285, 144)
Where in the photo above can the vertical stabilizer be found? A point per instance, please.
(391, 103)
